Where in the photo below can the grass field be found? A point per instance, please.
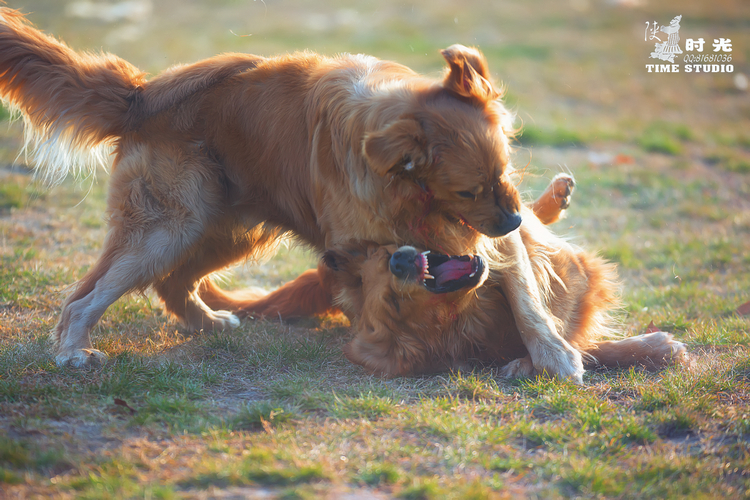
(662, 163)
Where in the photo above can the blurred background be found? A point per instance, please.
(662, 160)
(573, 64)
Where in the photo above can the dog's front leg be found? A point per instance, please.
(549, 351)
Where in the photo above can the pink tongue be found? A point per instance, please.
(451, 270)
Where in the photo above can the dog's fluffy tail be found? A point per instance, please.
(74, 105)
(652, 350)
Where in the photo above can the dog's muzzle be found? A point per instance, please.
(508, 222)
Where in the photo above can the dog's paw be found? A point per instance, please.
(561, 361)
(518, 368)
(222, 320)
(81, 358)
(562, 189)
(666, 350)
(678, 351)
(207, 320)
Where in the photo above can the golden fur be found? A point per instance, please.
(401, 328)
(214, 161)
(310, 293)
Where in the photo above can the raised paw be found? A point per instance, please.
(555, 199)
(81, 358)
(562, 188)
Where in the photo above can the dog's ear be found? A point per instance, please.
(348, 257)
(468, 75)
(399, 146)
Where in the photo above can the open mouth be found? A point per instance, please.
(441, 273)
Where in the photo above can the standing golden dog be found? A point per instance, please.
(215, 160)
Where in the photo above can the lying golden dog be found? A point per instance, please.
(214, 161)
(420, 312)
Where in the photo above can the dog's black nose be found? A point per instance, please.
(402, 262)
(510, 222)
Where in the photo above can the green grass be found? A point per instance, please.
(420, 490)
(665, 137)
(732, 160)
(276, 409)
(259, 415)
(559, 136)
(368, 406)
(278, 406)
(16, 191)
(12, 195)
(18, 455)
(379, 473)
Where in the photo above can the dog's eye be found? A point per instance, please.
(466, 194)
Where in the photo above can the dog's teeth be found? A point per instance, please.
(472, 274)
(425, 252)
(429, 276)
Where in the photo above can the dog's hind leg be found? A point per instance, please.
(94, 293)
(129, 262)
(651, 350)
(179, 292)
(162, 202)
(183, 290)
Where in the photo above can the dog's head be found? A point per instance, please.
(404, 280)
(400, 300)
(453, 145)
